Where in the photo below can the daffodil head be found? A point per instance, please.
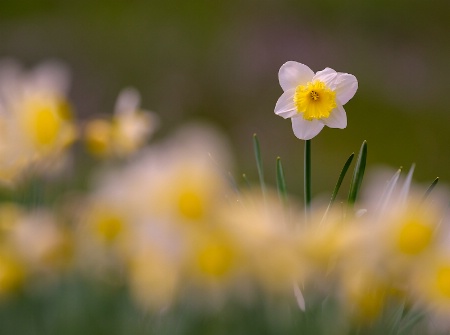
(49, 253)
(414, 236)
(430, 284)
(131, 126)
(214, 256)
(98, 138)
(153, 277)
(125, 133)
(106, 222)
(365, 293)
(412, 231)
(36, 119)
(47, 122)
(314, 100)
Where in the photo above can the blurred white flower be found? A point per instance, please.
(313, 101)
(127, 131)
(35, 117)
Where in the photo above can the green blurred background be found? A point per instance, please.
(218, 61)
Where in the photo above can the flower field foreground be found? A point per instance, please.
(163, 240)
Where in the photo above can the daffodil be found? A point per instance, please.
(314, 100)
(36, 119)
(126, 132)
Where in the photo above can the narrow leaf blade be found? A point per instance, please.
(281, 183)
(430, 188)
(409, 321)
(341, 178)
(338, 184)
(358, 174)
(259, 163)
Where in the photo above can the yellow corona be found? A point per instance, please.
(314, 100)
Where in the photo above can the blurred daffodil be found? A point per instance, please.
(125, 133)
(35, 118)
(314, 100)
(12, 273)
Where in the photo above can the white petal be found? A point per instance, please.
(299, 297)
(51, 76)
(128, 101)
(345, 86)
(292, 74)
(360, 212)
(327, 76)
(406, 186)
(285, 106)
(337, 118)
(387, 194)
(304, 129)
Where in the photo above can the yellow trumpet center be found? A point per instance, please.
(191, 204)
(109, 226)
(414, 237)
(315, 100)
(215, 259)
(44, 124)
(443, 281)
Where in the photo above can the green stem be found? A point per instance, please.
(307, 179)
(259, 163)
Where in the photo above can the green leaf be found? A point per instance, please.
(358, 174)
(341, 178)
(393, 321)
(259, 163)
(338, 184)
(430, 188)
(281, 183)
(409, 321)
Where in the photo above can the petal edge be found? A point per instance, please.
(304, 129)
(292, 74)
(337, 118)
(285, 106)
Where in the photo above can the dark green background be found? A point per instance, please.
(218, 60)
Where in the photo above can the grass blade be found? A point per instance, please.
(259, 163)
(281, 183)
(430, 188)
(409, 321)
(340, 179)
(338, 184)
(393, 321)
(358, 174)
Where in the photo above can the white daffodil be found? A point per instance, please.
(126, 132)
(313, 101)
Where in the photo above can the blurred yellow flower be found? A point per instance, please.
(268, 238)
(414, 236)
(35, 119)
(49, 253)
(125, 133)
(430, 287)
